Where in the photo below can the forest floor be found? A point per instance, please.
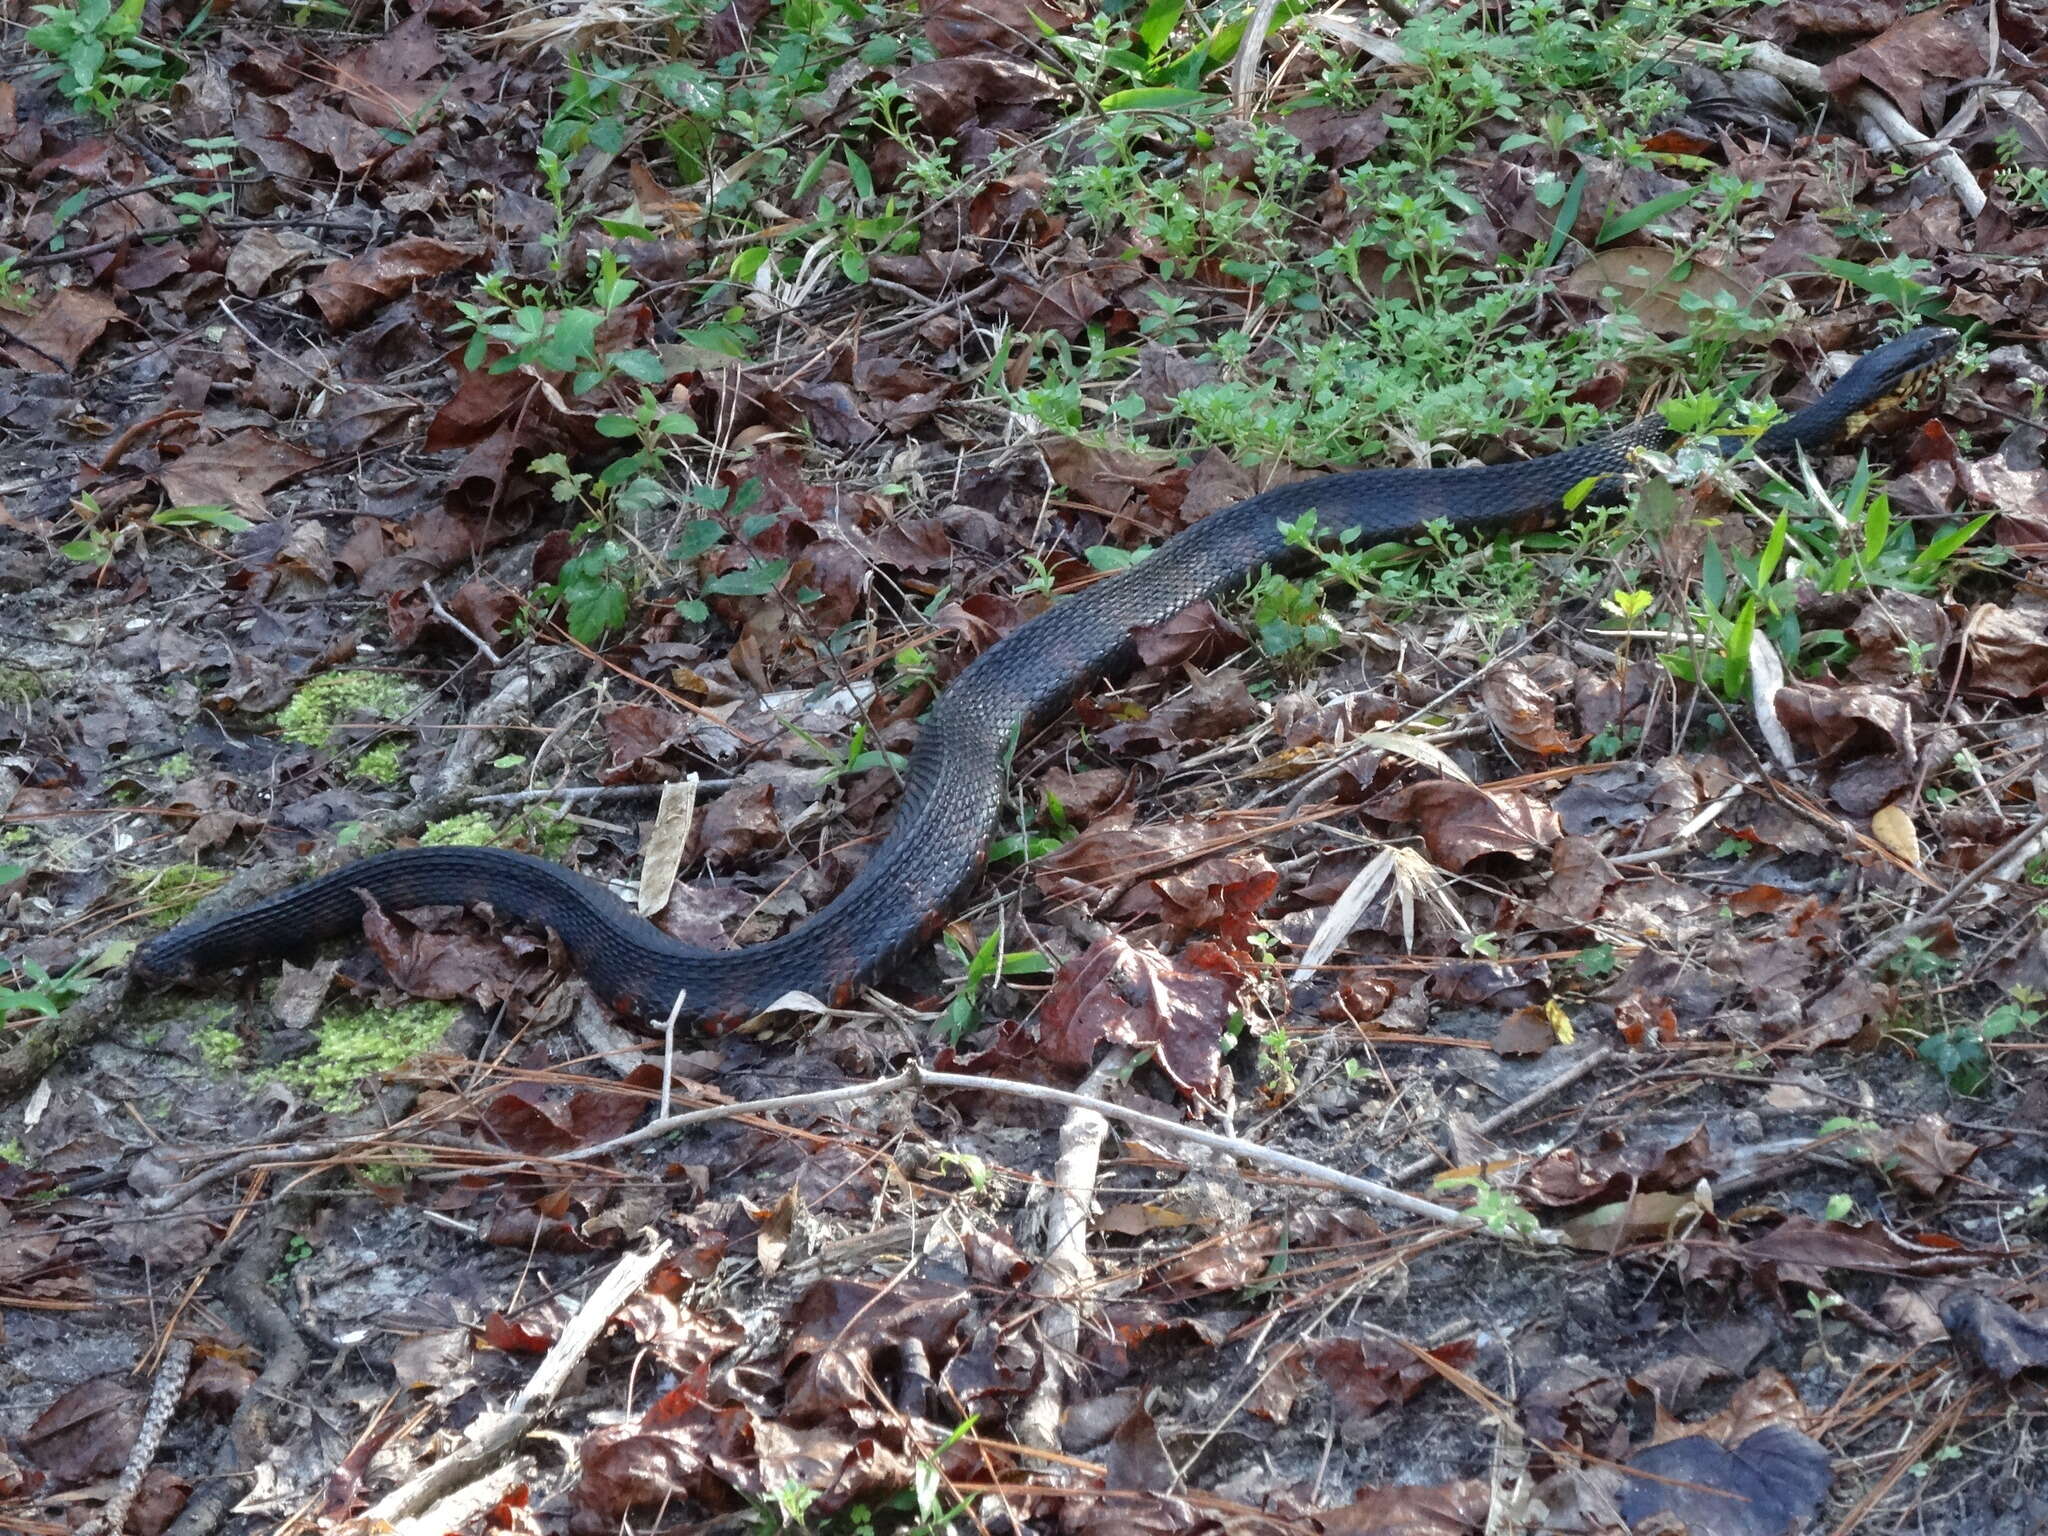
(602, 430)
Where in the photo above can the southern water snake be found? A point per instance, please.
(954, 786)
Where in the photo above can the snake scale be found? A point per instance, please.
(954, 786)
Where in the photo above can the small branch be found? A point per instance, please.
(440, 612)
(1883, 126)
(1999, 869)
(163, 1402)
(590, 794)
(495, 1434)
(1064, 1272)
(916, 1077)
(1515, 1111)
(1683, 838)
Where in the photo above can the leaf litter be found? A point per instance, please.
(769, 363)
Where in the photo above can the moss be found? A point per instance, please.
(178, 767)
(220, 1049)
(174, 890)
(380, 764)
(18, 686)
(472, 829)
(550, 832)
(329, 700)
(365, 1043)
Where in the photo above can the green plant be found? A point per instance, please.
(355, 1044)
(1057, 834)
(335, 698)
(97, 546)
(1852, 545)
(15, 293)
(1596, 962)
(523, 329)
(1132, 64)
(1917, 960)
(32, 992)
(1494, 1209)
(987, 963)
(1961, 1053)
(172, 891)
(297, 1249)
(1819, 1304)
(633, 480)
(1896, 282)
(1277, 1078)
(594, 588)
(2025, 185)
(855, 756)
(100, 59)
(210, 156)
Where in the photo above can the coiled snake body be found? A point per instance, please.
(955, 782)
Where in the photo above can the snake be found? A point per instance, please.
(956, 780)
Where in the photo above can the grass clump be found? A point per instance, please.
(173, 892)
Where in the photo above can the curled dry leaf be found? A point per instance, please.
(1366, 1376)
(2001, 1338)
(2008, 650)
(1133, 995)
(351, 288)
(1462, 823)
(1523, 708)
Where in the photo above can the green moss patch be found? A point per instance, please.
(340, 697)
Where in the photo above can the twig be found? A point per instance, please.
(163, 1402)
(590, 794)
(1304, 788)
(1998, 869)
(1516, 1110)
(916, 1077)
(1879, 119)
(1064, 1273)
(251, 1439)
(491, 1437)
(441, 612)
(1682, 839)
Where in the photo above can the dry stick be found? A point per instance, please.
(483, 646)
(1682, 839)
(1879, 119)
(1064, 1273)
(1244, 70)
(1516, 1110)
(590, 794)
(494, 1436)
(917, 1077)
(513, 698)
(1303, 788)
(163, 1402)
(1999, 869)
(466, 1504)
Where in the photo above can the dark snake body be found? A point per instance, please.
(957, 775)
